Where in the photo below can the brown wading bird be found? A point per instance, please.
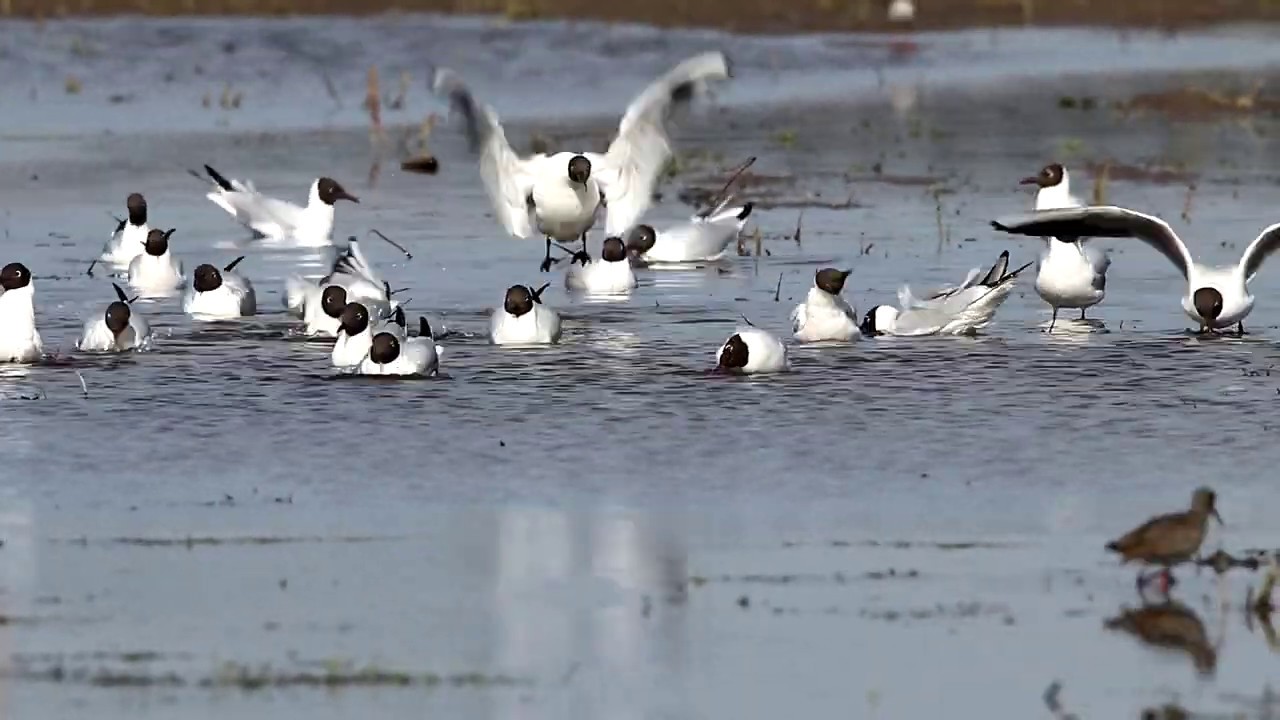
(1168, 540)
(1170, 626)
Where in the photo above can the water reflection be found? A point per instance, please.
(596, 596)
(1169, 625)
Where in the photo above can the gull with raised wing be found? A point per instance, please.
(116, 330)
(962, 312)
(563, 192)
(1072, 272)
(824, 314)
(280, 220)
(1216, 298)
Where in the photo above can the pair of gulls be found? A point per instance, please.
(563, 194)
(825, 316)
(117, 329)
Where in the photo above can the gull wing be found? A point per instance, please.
(1102, 221)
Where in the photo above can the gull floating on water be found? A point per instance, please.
(392, 353)
(1217, 297)
(19, 340)
(130, 234)
(704, 238)
(280, 220)
(961, 310)
(564, 192)
(116, 330)
(751, 350)
(219, 294)
(609, 275)
(355, 335)
(1073, 271)
(523, 319)
(156, 272)
(351, 279)
(824, 314)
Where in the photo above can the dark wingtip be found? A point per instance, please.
(399, 318)
(121, 294)
(232, 265)
(424, 327)
(728, 64)
(746, 210)
(120, 225)
(996, 225)
(218, 178)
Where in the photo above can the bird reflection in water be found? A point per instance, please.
(1169, 625)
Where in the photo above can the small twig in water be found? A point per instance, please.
(937, 200)
(83, 386)
(407, 255)
(777, 292)
(745, 320)
(328, 86)
(799, 224)
(1186, 204)
(1100, 184)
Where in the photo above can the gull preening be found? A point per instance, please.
(394, 353)
(130, 234)
(1216, 298)
(219, 294)
(611, 274)
(19, 340)
(751, 350)
(278, 220)
(824, 314)
(563, 192)
(156, 272)
(1072, 271)
(523, 319)
(962, 310)
(118, 329)
(704, 238)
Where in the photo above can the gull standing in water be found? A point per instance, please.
(1072, 272)
(564, 192)
(1217, 297)
(957, 312)
(116, 330)
(280, 220)
(19, 340)
(824, 315)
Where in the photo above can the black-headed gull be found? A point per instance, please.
(523, 319)
(824, 314)
(564, 191)
(392, 353)
(704, 238)
(751, 350)
(280, 220)
(351, 279)
(1216, 298)
(611, 274)
(19, 340)
(219, 294)
(957, 311)
(156, 272)
(118, 329)
(1072, 271)
(355, 335)
(130, 234)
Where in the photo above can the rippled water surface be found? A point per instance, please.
(602, 529)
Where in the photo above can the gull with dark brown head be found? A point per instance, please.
(523, 319)
(825, 314)
(563, 192)
(1217, 297)
(280, 221)
(118, 329)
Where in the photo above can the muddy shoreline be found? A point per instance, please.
(755, 17)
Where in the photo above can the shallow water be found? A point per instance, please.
(601, 529)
